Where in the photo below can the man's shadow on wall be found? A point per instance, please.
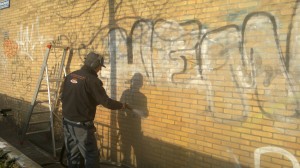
(130, 122)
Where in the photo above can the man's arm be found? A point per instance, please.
(101, 97)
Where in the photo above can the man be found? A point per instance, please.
(82, 92)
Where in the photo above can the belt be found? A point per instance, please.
(87, 123)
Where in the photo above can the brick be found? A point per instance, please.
(241, 152)
(168, 112)
(284, 137)
(188, 130)
(285, 125)
(175, 99)
(245, 159)
(222, 116)
(173, 137)
(161, 106)
(272, 141)
(183, 105)
(231, 133)
(292, 145)
(269, 129)
(221, 137)
(200, 108)
(222, 126)
(205, 123)
(189, 120)
(212, 140)
(247, 148)
(173, 127)
(182, 95)
(204, 133)
(204, 143)
(169, 93)
(230, 144)
(262, 133)
(174, 118)
(251, 137)
(188, 140)
(268, 164)
(241, 130)
(287, 163)
(212, 151)
(153, 92)
(213, 130)
(252, 126)
(174, 108)
(197, 137)
(262, 121)
(167, 121)
(183, 114)
(189, 101)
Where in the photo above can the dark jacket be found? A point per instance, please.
(82, 91)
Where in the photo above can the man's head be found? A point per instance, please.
(94, 60)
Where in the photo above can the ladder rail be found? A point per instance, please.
(54, 103)
(33, 101)
(51, 113)
(48, 88)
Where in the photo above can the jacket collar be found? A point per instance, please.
(89, 70)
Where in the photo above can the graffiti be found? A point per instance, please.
(21, 75)
(270, 149)
(3, 63)
(220, 56)
(156, 45)
(29, 40)
(293, 54)
(229, 51)
(10, 48)
(269, 69)
(65, 40)
(221, 51)
(224, 65)
(190, 60)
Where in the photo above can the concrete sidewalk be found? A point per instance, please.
(9, 133)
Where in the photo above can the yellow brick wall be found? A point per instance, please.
(220, 78)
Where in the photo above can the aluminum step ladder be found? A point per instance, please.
(41, 112)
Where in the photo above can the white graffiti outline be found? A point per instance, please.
(271, 149)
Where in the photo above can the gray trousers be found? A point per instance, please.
(80, 141)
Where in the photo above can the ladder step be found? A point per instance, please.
(46, 90)
(40, 112)
(39, 122)
(43, 90)
(55, 80)
(36, 132)
(42, 101)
